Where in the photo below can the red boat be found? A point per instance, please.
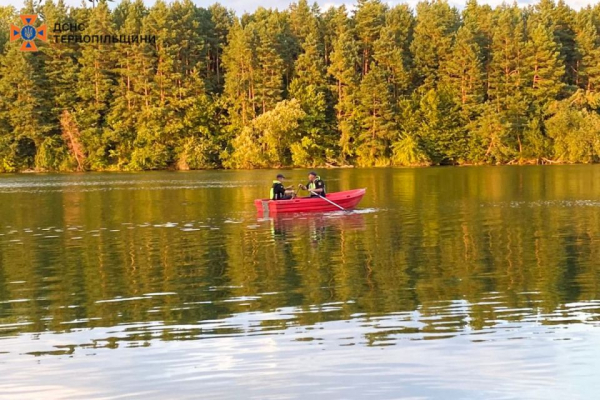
(347, 199)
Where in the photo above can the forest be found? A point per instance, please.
(368, 85)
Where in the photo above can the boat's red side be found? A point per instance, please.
(347, 199)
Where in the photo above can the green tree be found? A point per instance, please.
(543, 68)
(333, 23)
(269, 83)
(559, 19)
(370, 18)
(492, 140)
(95, 82)
(536, 145)
(221, 22)
(61, 69)
(587, 44)
(376, 118)
(381, 85)
(310, 88)
(575, 132)
(266, 141)
(8, 14)
(303, 21)
(132, 72)
(390, 55)
(24, 111)
(344, 70)
(441, 131)
(408, 148)
(436, 22)
(507, 76)
(241, 69)
(463, 71)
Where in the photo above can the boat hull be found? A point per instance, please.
(347, 199)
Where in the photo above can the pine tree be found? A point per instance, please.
(436, 21)
(161, 125)
(196, 139)
(95, 82)
(587, 69)
(7, 16)
(24, 110)
(506, 83)
(400, 24)
(506, 77)
(28, 137)
(269, 82)
(334, 22)
(542, 65)
(344, 69)
(479, 20)
(61, 63)
(310, 88)
(441, 131)
(492, 140)
(390, 55)
(378, 86)
(240, 66)
(376, 119)
(60, 69)
(288, 47)
(222, 20)
(463, 71)
(129, 61)
(302, 21)
(564, 32)
(370, 18)
(559, 19)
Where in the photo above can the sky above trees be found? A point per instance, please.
(241, 6)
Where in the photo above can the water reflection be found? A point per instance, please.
(431, 257)
(314, 227)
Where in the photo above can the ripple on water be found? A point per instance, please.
(424, 293)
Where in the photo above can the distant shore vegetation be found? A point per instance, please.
(372, 86)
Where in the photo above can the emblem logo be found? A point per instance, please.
(28, 33)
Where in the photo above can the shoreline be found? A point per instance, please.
(548, 163)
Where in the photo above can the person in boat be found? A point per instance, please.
(315, 185)
(279, 191)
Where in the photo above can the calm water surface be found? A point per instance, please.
(450, 283)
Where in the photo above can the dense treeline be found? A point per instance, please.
(374, 86)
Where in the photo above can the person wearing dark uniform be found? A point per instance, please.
(315, 185)
(279, 191)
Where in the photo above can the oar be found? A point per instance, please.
(326, 199)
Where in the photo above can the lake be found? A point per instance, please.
(449, 282)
